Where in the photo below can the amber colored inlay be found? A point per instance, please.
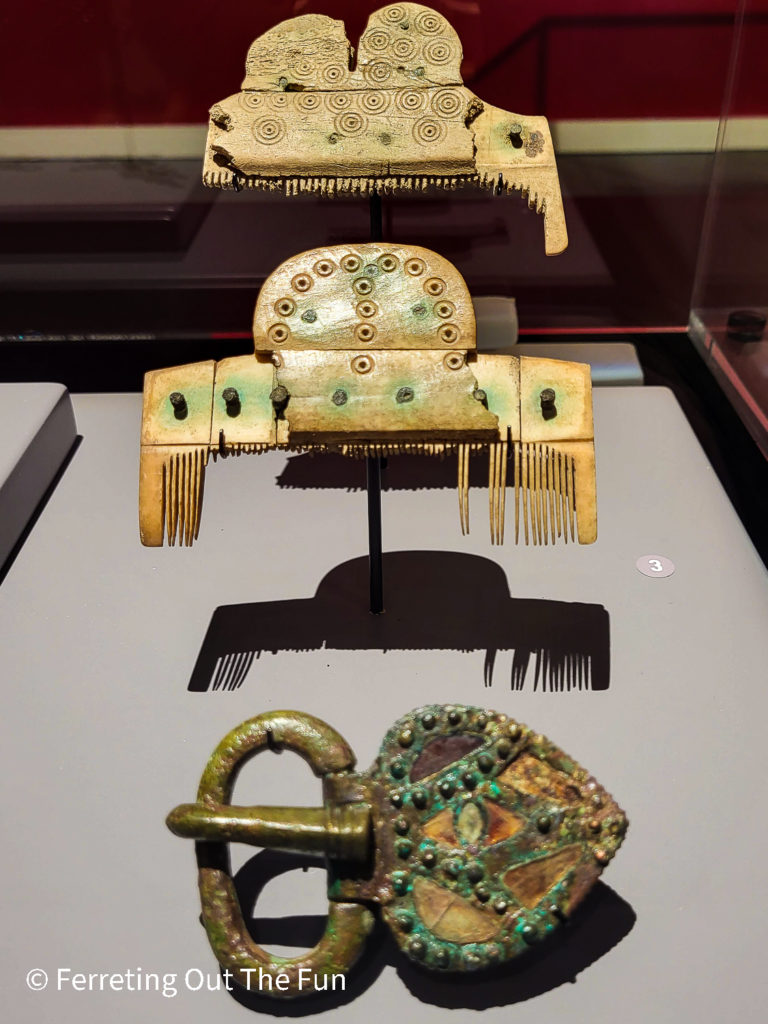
(501, 823)
(452, 917)
(528, 774)
(440, 828)
(529, 882)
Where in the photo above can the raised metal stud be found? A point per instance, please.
(179, 403)
(548, 408)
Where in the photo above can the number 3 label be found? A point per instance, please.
(655, 565)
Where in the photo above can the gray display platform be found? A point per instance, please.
(101, 737)
(37, 424)
(613, 363)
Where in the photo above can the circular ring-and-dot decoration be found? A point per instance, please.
(378, 72)
(365, 332)
(334, 74)
(278, 333)
(338, 102)
(350, 263)
(364, 364)
(445, 309)
(377, 40)
(309, 101)
(388, 262)
(302, 282)
(363, 286)
(404, 49)
(285, 307)
(374, 102)
(447, 103)
(411, 101)
(324, 268)
(434, 286)
(415, 267)
(427, 131)
(367, 308)
(430, 23)
(438, 51)
(278, 101)
(393, 15)
(303, 68)
(449, 333)
(250, 100)
(454, 361)
(350, 123)
(268, 130)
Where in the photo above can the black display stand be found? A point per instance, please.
(373, 470)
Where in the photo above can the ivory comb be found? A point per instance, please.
(370, 350)
(316, 115)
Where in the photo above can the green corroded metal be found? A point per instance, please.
(552, 816)
(474, 835)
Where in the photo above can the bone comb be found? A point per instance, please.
(369, 351)
(314, 115)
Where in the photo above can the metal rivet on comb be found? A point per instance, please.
(231, 400)
(179, 403)
(548, 408)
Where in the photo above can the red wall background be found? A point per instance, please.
(100, 62)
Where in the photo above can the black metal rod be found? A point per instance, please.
(373, 482)
(373, 468)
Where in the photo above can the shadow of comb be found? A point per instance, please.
(560, 645)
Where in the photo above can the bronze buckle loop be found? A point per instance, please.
(339, 831)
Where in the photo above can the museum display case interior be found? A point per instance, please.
(334, 273)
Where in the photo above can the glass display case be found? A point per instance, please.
(639, 644)
(109, 235)
(730, 296)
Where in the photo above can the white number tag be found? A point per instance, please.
(655, 565)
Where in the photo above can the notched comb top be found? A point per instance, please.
(370, 350)
(315, 115)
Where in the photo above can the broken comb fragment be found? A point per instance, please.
(370, 350)
(316, 115)
(474, 835)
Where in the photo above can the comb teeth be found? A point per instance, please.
(545, 482)
(227, 448)
(364, 185)
(385, 449)
(544, 498)
(183, 480)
